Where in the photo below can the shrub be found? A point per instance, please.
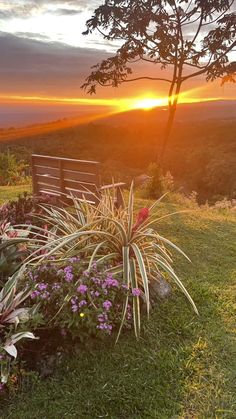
(79, 303)
(24, 209)
(134, 252)
(225, 204)
(158, 184)
(12, 171)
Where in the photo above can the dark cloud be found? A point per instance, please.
(31, 66)
(31, 35)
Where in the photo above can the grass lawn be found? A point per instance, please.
(183, 367)
(11, 192)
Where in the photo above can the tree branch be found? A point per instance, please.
(147, 78)
(218, 17)
(198, 73)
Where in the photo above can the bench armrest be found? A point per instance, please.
(112, 185)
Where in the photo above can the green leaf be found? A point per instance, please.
(136, 305)
(143, 273)
(11, 350)
(178, 282)
(130, 210)
(94, 254)
(126, 267)
(125, 305)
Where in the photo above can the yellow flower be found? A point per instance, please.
(81, 314)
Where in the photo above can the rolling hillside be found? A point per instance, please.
(201, 155)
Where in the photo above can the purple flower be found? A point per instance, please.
(110, 282)
(68, 269)
(42, 286)
(136, 292)
(45, 295)
(105, 326)
(107, 305)
(74, 300)
(74, 259)
(74, 308)
(86, 273)
(96, 281)
(97, 294)
(69, 276)
(102, 317)
(129, 316)
(125, 286)
(34, 294)
(82, 289)
(82, 303)
(56, 286)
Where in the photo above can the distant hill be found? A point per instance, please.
(18, 116)
(213, 110)
(201, 155)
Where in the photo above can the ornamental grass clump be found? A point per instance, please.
(128, 245)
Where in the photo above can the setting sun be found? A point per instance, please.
(147, 103)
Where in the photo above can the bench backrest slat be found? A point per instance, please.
(63, 177)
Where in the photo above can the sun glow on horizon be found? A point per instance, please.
(146, 103)
(116, 105)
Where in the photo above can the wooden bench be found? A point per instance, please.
(62, 177)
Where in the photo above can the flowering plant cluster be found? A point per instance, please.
(14, 321)
(132, 248)
(24, 209)
(80, 302)
(12, 250)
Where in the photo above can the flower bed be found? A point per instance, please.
(80, 303)
(90, 269)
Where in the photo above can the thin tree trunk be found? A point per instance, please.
(169, 124)
(167, 132)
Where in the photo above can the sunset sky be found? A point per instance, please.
(45, 55)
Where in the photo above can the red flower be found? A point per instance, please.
(12, 234)
(142, 216)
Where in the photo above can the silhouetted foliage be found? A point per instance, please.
(192, 37)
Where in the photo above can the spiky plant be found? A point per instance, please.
(11, 315)
(107, 235)
(12, 250)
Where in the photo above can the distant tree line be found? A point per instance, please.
(202, 156)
